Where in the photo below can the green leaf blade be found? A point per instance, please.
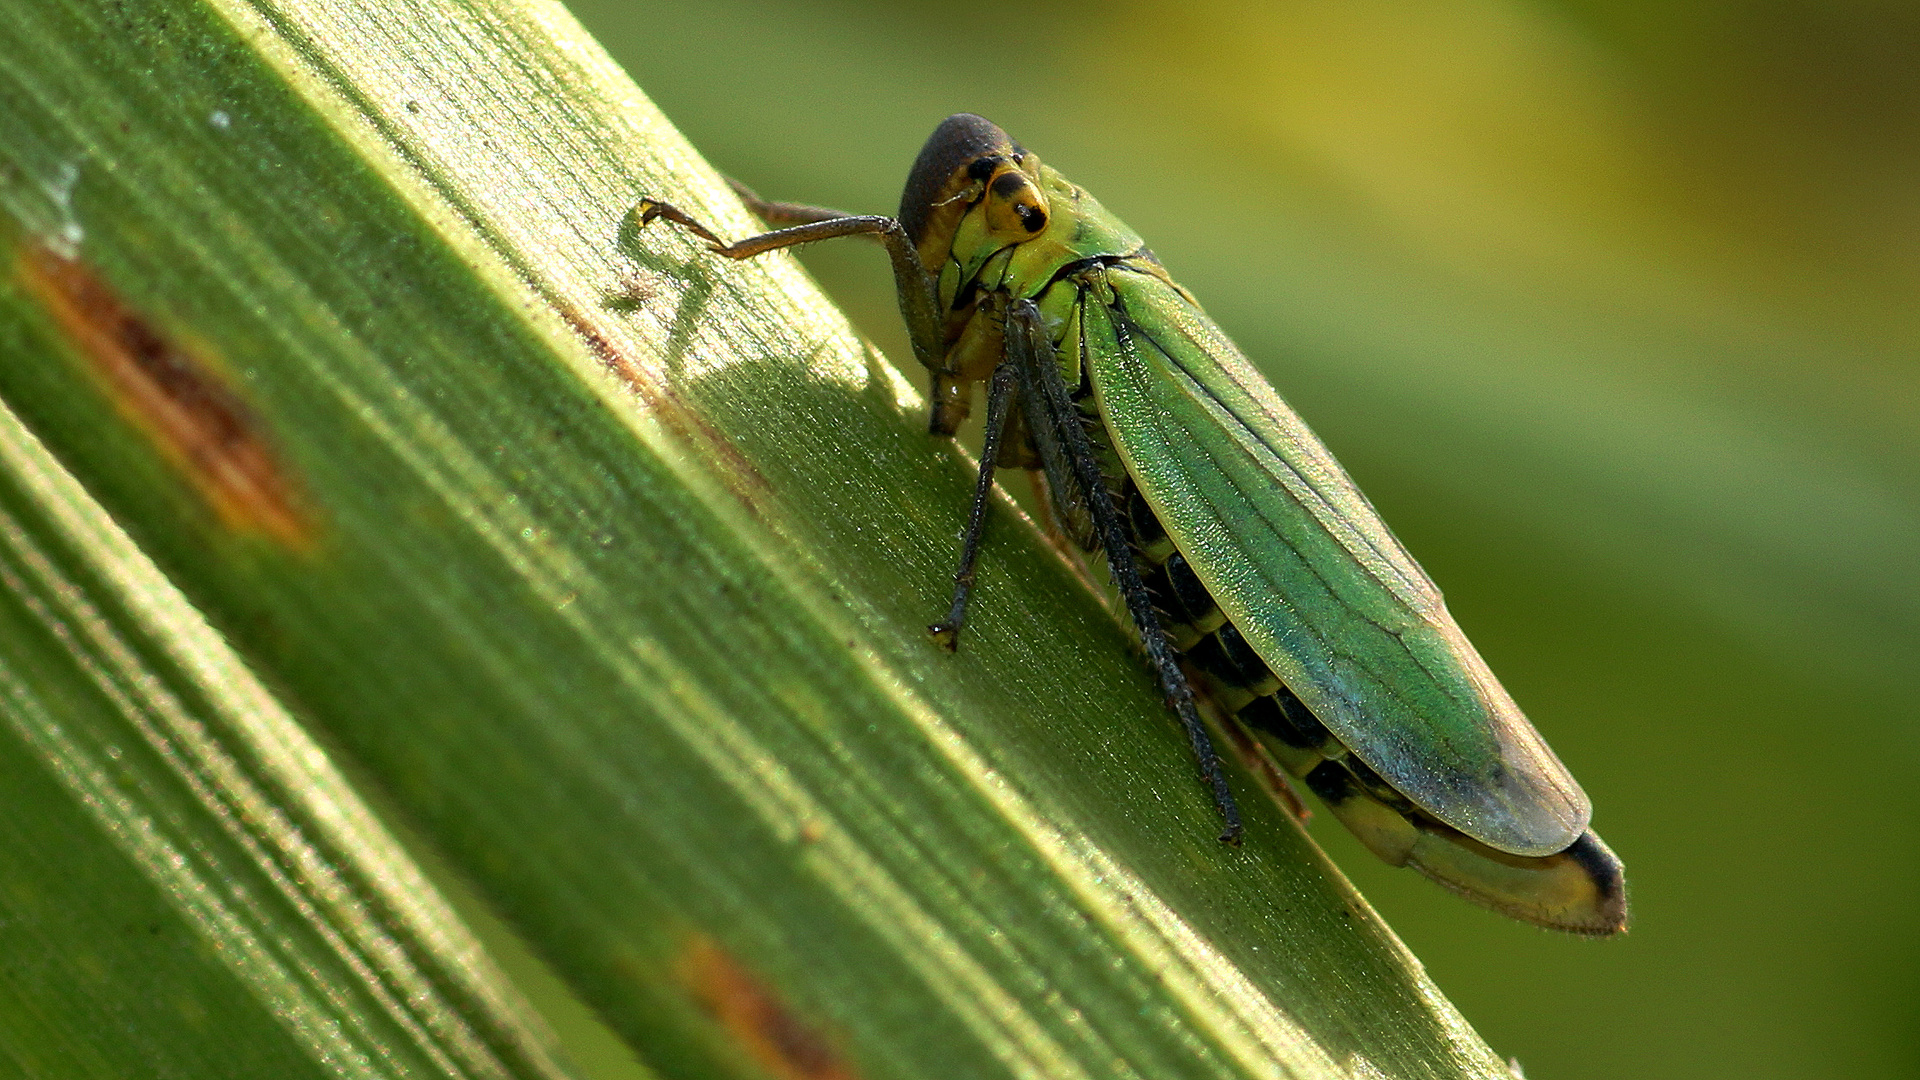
(608, 568)
(190, 888)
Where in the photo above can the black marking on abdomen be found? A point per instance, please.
(1601, 867)
(1286, 718)
(1331, 782)
(1226, 656)
(1241, 681)
(1180, 595)
(1238, 678)
(1191, 591)
(1148, 534)
(1372, 783)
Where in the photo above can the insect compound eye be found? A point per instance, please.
(1015, 205)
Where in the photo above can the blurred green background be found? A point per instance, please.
(1610, 307)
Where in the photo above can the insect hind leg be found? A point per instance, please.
(1053, 419)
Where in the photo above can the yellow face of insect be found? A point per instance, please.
(1014, 206)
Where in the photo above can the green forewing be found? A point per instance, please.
(1299, 561)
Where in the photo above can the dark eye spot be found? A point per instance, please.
(1032, 217)
(1008, 182)
(982, 167)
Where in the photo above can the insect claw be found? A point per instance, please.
(946, 635)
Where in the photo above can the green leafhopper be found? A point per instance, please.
(1247, 560)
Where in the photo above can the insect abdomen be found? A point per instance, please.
(1242, 684)
(1240, 681)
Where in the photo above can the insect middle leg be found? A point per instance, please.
(782, 214)
(1000, 392)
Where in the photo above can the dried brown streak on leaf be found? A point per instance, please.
(770, 1033)
(176, 398)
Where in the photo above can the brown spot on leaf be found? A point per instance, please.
(176, 397)
(772, 1035)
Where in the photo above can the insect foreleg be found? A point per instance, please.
(1051, 409)
(919, 306)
